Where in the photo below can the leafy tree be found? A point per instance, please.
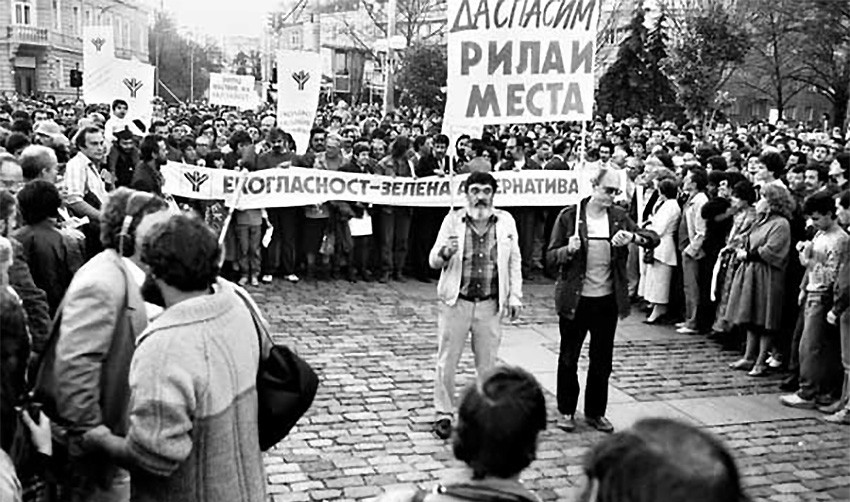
(624, 88)
(176, 53)
(825, 55)
(422, 76)
(774, 63)
(708, 44)
(663, 95)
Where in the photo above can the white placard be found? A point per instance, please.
(128, 80)
(227, 89)
(298, 82)
(521, 61)
(360, 227)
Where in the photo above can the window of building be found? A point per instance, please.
(76, 11)
(88, 17)
(57, 15)
(126, 35)
(791, 113)
(24, 12)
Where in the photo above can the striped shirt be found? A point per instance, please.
(81, 178)
(479, 276)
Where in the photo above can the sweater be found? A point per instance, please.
(193, 415)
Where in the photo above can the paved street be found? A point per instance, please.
(369, 428)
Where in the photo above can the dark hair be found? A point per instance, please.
(183, 252)
(441, 139)
(157, 123)
(80, 140)
(16, 141)
(186, 143)
(843, 160)
(419, 141)
(668, 188)
(360, 148)
(717, 163)
(745, 191)
(561, 146)
(213, 156)
(400, 147)
(39, 200)
(123, 211)
(480, 178)
(773, 162)
(499, 421)
(733, 178)
(818, 202)
(7, 204)
(149, 146)
(118, 102)
(844, 199)
(823, 172)
(699, 177)
(238, 138)
(662, 460)
(666, 160)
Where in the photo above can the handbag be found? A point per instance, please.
(286, 384)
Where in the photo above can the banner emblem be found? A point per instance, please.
(98, 43)
(301, 79)
(133, 84)
(196, 179)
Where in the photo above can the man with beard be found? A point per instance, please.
(123, 157)
(147, 177)
(661, 460)
(83, 379)
(478, 254)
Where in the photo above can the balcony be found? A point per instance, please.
(33, 35)
(28, 35)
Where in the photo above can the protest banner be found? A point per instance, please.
(131, 81)
(521, 61)
(233, 90)
(299, 82)
(295, 186)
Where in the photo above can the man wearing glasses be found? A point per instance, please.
(591, 292)
(477, 251)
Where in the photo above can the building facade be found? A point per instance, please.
(41, 40)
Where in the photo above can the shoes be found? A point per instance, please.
(266, 279)
(684, 330)
(567, 423)
(351, 276)
(662, 319)
(790, 384)
(830, 409)
(254, 281)
(795, 401)
(443, 428)
(681, 324)
(425, 279)
(774, 362)
(384, 278)
(366, 276)
(759, 371)
(742, 364)
(399, 277)
(292, 278)
(600, 423)
(839, 417)
(243, 281)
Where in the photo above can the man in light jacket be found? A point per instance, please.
(477, 250)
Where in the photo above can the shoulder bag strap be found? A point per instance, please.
(259, 324)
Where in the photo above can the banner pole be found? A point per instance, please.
(581, 165)
(223, 234)
(451, 184)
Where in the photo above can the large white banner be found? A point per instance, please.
(233, 90)
(129, 80)
(521, 61)
(296, 186)
(299, 79)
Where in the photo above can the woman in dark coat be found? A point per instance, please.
(758, 287)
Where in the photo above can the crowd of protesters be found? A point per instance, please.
(751, 224)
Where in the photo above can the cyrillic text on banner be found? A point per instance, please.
(521, 61)
(299, 81)
(233, 90)
(295, 186)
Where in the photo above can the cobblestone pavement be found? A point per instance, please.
(369, 428)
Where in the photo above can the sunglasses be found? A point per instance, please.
(612, 190)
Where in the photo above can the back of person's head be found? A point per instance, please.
(668, 188)
(662, 460)
(16, 141)
(499, 420)
(38, 201)
(239, 137)
(716, 163)
(773, 162)
(35, 159)
(122, 213)
(182, 252)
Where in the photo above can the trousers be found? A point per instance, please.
(454, 324)
(599, 317)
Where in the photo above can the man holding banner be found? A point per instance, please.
(590, 246)
(477, 252)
